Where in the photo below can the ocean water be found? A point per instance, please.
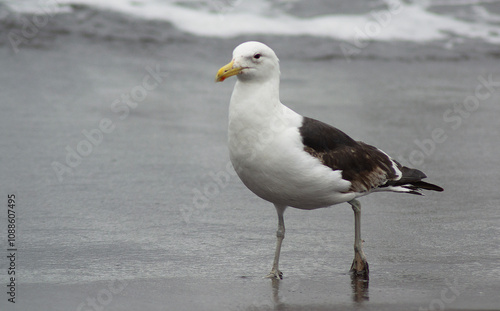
(156, 205)
(430, 29)
(453, 22)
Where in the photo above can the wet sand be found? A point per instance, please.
(152, 216)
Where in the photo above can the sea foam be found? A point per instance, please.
(399, 21)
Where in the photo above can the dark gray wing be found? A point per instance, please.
(365, 166)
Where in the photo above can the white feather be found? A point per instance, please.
(265, 144)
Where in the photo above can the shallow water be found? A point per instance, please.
(154, 217)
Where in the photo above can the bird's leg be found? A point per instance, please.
(280, 235)
(359, 264)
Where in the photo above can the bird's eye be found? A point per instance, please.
(257, 56)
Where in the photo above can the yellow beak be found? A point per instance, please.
(227, 71)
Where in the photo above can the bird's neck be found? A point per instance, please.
(256, 100)
(255, 112)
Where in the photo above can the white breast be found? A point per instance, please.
(267, 153)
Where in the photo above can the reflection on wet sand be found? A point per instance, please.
(275, 284)
(359, 286)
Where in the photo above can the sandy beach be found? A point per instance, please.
(125, 199)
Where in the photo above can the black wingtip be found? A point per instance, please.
(412, 179)
(427, 186)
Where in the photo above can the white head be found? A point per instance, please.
(252, 61)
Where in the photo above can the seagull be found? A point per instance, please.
(295, 161)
